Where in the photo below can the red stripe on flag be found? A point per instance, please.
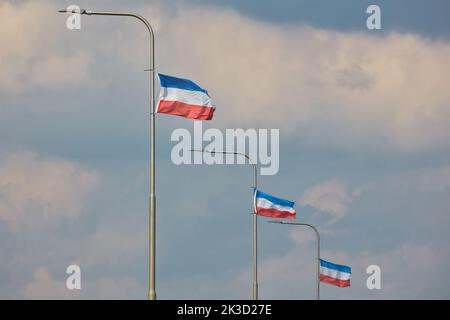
(181, 109)
(334, 281)
(272, 213)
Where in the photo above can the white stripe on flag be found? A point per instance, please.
(334, 273)
(264, 203)
(197, 98)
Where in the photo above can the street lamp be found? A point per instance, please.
(152, 196)
(318, 247)
(255, 217)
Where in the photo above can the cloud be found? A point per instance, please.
(35, 191)
(122, 288)
(299, 236)
(334, 197)
(330, 196)
(408, 271)
(43, 286)
(349, 90)
(33, 55)
(114, 245)
(346, 89)
(321, 87)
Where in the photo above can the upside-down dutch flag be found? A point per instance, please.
(184, 98)
(273, 207)
(335, 274)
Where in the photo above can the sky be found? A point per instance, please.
(364, 148)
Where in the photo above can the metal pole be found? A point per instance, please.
(255, 238)
(152, 196)
(318, 248)
(255, 219)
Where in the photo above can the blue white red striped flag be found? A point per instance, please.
(273, 207)
(335, 274)
(184, 98)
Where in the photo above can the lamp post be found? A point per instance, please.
(255, 218)
(152, 196)
(318, 247)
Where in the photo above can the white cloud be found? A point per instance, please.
(44, 286)
(299, 236)
(35, 192)
(34, 54)
(330, 196)
(344, 89)
(114, 244)
(408, 271)
(347, 89)
(118, 288)
(334, 197)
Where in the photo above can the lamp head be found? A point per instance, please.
(276, 221)
(82, 11)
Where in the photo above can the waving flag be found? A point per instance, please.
(184, 98)
(273, 207)
(335, 274)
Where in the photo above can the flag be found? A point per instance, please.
(273, 207)
(184, 98)
(335, 274)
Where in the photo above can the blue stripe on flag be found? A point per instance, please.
(179, 83)
(275, 200)
(334, 266)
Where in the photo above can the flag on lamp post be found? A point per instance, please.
(273, 207)
(184, 98)
(335, 274)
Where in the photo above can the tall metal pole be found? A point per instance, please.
(152, 196)
(255, 228)
(255, 219)
(255, 236)
(318, 248)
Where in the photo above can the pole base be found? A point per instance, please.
(255, 291)
(151, 295)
